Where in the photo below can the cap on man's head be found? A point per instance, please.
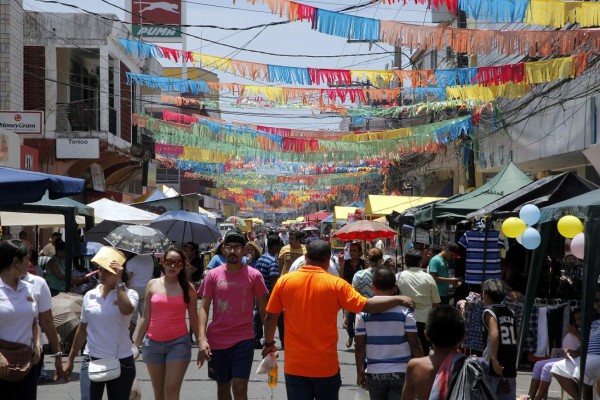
(234, 236)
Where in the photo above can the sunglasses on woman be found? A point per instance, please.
(167, 262)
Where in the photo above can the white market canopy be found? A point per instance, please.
(114, 211)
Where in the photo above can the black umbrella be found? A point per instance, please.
(138, 239)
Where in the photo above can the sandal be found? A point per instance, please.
(349, 343)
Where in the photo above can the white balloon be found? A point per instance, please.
(578, 245)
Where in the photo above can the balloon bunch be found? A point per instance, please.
(571, 227)
(521, 228)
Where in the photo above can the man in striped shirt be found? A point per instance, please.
(387, 340)
(268, 266)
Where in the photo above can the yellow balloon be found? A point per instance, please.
(513, 227)
(570, 226)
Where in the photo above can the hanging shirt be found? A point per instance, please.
(483, 255)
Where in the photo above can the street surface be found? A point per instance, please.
(197, 386)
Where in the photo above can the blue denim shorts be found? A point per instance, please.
(233, 362)
(155, 352)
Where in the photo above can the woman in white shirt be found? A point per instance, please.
(105, 317)
(18, 323)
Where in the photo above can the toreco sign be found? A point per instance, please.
(76, 148)
(159, 19)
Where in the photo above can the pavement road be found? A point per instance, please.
(198, 386)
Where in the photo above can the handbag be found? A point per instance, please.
(19, 357)
(504, 385)
(104, 369)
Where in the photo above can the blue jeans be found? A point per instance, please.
(117, 389)
(494, 382)
(305, 388)
(385, 386)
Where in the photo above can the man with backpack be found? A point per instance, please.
(446, 374)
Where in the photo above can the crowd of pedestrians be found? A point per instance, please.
(406, 337)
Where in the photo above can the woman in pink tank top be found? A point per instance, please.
(163, 333)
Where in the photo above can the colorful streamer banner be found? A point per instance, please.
(484, 76)
(249, 145)
(532, 43)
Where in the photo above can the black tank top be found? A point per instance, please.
(507, 339)
(349, 271)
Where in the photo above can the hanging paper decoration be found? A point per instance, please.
(278, 73)
(538, 72)
(347, 26)
(454, 77)
(329, 76)
(495, 10)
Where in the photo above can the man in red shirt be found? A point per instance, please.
(312, 299)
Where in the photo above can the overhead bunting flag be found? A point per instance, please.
(483, 76)
(265, 148)
(554, 13)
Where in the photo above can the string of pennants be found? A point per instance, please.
(510, 81)
(213, 142)
(529, 72)
(555, 13)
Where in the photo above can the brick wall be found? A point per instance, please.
(34, 72)
(125, 106)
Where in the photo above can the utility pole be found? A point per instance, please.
(462, 61)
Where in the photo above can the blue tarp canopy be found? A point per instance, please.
(18, 187)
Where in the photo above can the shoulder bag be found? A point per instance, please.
(19, 358)
(105, 369)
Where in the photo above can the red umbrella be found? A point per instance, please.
(364, 230)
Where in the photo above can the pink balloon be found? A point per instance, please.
(578, 245)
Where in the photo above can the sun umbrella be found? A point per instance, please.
(138, 239)
(99, 231)
(236, 220)
(364, 230)
(185, 226)
(310, 228)
(89, 248)
(66, 310)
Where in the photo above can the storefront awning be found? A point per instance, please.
(378, 206)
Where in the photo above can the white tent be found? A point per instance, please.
(113, 211)
(9, 218)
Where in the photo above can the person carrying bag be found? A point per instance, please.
(105, 317)
(19, 339)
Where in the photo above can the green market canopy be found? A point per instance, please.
(510, 179)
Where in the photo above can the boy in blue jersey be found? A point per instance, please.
(387, 340)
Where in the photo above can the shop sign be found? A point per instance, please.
(22, 122)
(78, 148)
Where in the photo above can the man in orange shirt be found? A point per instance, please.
(312, 299)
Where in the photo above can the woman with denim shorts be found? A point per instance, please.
(166, 345)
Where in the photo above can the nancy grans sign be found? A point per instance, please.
(157, 19)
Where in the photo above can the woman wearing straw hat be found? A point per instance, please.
(167, 347)
(105, 317)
